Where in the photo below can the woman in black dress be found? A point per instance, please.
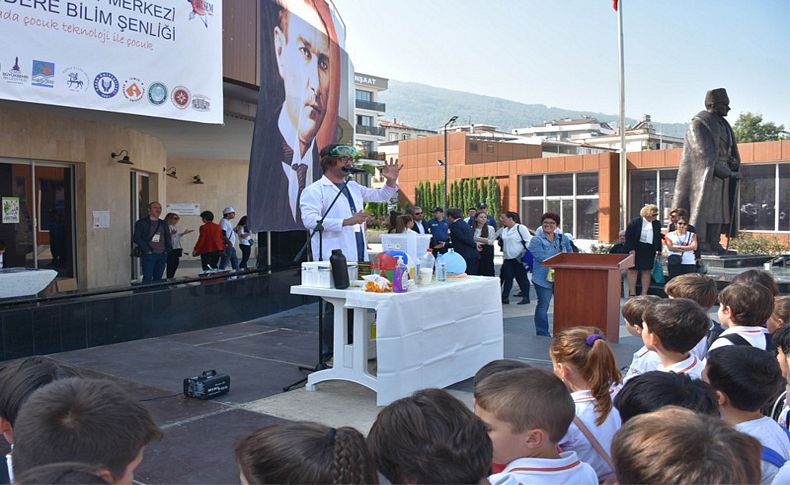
(643, 240)
(484, 237)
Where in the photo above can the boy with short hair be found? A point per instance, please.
(645, 360)
(84, 420)
(672, 328)
(430, 437)
(653, 390)
(702, 290)
(18, 380)
(496, 366)
(743, 311)
(527, 412)
(675, 445)
(780, 411)
(744, 379)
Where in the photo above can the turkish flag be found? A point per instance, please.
(614, 5)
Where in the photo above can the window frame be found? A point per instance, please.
(574, 198)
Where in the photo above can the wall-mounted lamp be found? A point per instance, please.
(196, 180)
(125, 160)
(170, 172)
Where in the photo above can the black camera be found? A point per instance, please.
(207, 385)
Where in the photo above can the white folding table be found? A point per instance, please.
(432, 336)
(16, 282)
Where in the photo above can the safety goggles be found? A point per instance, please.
(344, 151)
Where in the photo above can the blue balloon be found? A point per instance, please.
(454, 262)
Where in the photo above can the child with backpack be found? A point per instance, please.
(743, 311)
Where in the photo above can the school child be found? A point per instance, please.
(672, 328)
(430, 437)
(496, 366)
(652, 391)
(702, 290)
(584, 362)
(18, 380)
(744, 379)
(645, 360)
(527, 412)
(305, 452)
(105, 427)
(760, 277)
(666, 446)
(779, 410)
(781, 313)
(743, 311)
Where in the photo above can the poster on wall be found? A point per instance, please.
(159, 58)
(303, 106)
(184, 209)
(10, 210)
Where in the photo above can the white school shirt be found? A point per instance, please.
(9, 463)
(754, 335)
(575, 440)
(568, 469)
(645, 360)
(692, 367)
(286, 128)
(316, 199)
(783, 476)
(770, 434)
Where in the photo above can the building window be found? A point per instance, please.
(364, 120)
(474, 147)
(652, 187)
(363, 95)
(573, 196)
(406, 136)
(764, 199)
(489, 148)
(366, 145)
(394, 136)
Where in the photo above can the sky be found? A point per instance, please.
(563, 53)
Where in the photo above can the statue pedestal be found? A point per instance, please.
(735, 260)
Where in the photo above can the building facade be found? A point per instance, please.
(368, 110)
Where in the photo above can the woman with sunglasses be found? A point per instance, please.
(681, 244)
(643, 240)
(547, 242)
(174, 256)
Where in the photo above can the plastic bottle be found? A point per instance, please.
(400, 278)
(441, 271)
(339, 269)
(426, 268)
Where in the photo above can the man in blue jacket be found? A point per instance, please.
(152, 236)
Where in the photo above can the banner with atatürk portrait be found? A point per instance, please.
(303, 105)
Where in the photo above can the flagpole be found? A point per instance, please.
(623, 178)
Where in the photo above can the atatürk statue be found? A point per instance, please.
(708, 173)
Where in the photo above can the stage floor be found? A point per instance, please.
(261, 356)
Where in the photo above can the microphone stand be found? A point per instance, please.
(319, 228)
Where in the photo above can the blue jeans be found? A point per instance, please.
(153, 266)
(542, 310)
(229, 255)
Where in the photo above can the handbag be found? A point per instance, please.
(527, 259)
(674, 260)
(658, 271)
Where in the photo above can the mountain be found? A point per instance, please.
(429, 107)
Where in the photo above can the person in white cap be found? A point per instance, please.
(229, 237)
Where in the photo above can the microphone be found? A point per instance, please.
(353, 170)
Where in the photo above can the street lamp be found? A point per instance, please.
(446, 163)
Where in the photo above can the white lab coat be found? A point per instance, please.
(316, 199)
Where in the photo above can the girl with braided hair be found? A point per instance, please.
(305, 452)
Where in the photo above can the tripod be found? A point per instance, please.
(319, 228)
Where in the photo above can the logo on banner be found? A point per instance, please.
(106, 85)
(157, 93)
(181, 97)
(201, 103)
(133, 89)
(201, 9)
(76, 79)
(43, 74)
(15, 75)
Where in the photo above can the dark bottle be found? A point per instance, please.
(339, 269)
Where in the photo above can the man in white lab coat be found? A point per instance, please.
(344, 225)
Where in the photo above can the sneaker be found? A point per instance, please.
(524, 301)
(505, 301)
